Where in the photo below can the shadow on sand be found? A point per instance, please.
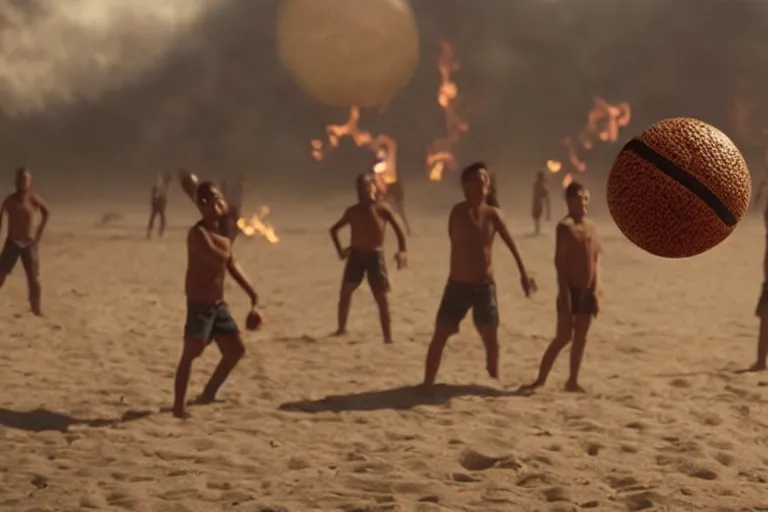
(401, 398)
(42, 420)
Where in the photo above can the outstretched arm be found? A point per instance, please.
(343, 221)
(45, 212)
(237, 274)
(392, 218)
(501, 227)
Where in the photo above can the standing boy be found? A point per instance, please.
(21, 243)
(367, 221)
(576, 262)
(472, 227)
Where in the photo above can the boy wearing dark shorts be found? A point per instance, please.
(367, 221)
(472, 227)
(23, 239)
(576, 261)
(209, 258)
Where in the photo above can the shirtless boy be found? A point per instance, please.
(762, 308)
(367, 221)
(540, 201)
(472, 226)
(159, 202)
(209, 257)
(21, 243)
(576, 261)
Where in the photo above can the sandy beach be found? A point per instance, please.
(314, 423)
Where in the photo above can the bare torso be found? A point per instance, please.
(205, 270)
(472, 232)
(367, 224)
(21, 209)
(580, 253)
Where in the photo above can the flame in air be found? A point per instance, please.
(257, 225)
(604, 122)
(385, 169)
(440, 154)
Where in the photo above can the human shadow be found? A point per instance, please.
(400, 398)
(43, 420)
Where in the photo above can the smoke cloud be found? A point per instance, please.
(58, 52)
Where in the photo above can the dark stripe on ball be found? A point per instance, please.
(687, 180)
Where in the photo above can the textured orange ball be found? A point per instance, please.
(679, 189)
(253, 320)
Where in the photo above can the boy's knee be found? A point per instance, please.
(347, 289)
(237, 352)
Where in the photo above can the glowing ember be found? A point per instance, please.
(382, 145)
(604, 122)
(336, 132)
(440, 155)
(256, 226)
(554, 166)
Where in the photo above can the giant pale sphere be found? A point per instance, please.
(348, 52)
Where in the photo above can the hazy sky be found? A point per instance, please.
(197, 83)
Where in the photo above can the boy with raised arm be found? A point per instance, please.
(209, 258)
(21, 243)
(367, 221)
(472, 227)
(576, 260)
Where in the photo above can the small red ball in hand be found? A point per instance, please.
(254, 320)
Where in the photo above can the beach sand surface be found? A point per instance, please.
(310, 422)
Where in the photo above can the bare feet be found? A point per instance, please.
(493, 372)
(203, 399)
(426, 390)
(388, 341)
(530, 388)
(757, 367)
(340, 332)
(573, 387)
(180, 412)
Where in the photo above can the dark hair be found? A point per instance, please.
(205, 191)
(21, 170)
(362, 181)
(491, 199)
(471, 170)
(573, 189)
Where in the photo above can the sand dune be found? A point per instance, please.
(315, 423)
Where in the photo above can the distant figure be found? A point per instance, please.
(367, 221)
(576, 262)
(540, 201)
(209, 257)
(21, 243)
(387, 180)
(159, 202)
(472, 227)
(233, 193)
(762, 308)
